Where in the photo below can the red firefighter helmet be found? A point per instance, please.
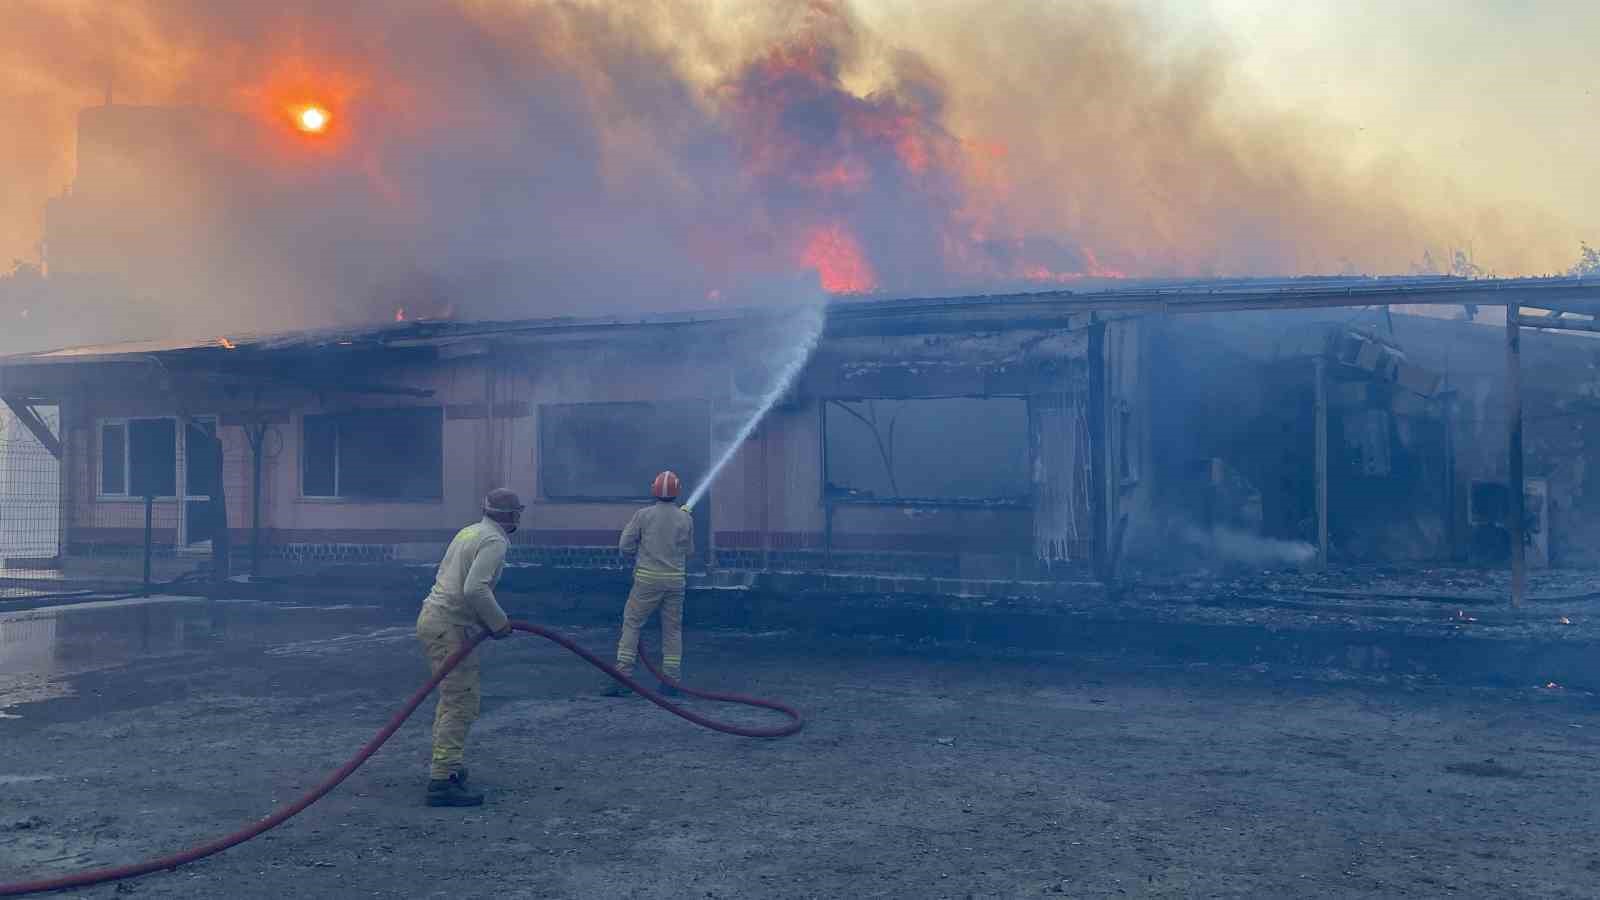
(666, 486)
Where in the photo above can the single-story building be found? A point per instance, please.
(1013, 437)
(952, 440)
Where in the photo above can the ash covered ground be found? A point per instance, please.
(925, 770)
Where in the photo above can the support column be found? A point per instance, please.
(1514, 477)
(1099, 492)
(256, 433)
(1322, 461)
(180, 443)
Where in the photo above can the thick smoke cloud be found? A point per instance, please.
(515, 158)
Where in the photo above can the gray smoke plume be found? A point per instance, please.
(515, 158)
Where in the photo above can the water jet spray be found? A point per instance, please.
(809, 322)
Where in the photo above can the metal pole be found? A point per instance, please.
(1322, 462)
(149, 508)
(257, 434)
(1452, 529)
(1519, 573)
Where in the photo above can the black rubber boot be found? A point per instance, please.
(668, 689)
(615, 688)
(452, 791)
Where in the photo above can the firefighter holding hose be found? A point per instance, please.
(660, 539)
(461, 606)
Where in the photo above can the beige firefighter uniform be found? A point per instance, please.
(661, 537)
(460, 606)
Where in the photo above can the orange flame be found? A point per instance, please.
(400, 314)
(835, 256)
(227, 344)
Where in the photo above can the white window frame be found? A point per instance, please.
(180, 454)
(127, 454)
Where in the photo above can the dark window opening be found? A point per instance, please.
(942, 450)
(153, 458)
(202, 458)
(376, 454)
(319, 457)
(612, 451)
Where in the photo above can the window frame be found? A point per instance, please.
(1029, 502)
(338, 453)
(643, 496)
(127, 455)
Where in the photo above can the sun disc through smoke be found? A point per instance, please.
(312, 119)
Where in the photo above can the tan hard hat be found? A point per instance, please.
(502, 500)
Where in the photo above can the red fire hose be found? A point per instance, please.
(283, 814)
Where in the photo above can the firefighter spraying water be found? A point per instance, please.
(660, 538)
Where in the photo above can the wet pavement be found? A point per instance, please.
(44, 652)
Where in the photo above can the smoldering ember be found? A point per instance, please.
(1053, 472)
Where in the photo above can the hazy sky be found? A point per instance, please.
(1501, 96)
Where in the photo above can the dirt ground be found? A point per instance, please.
(924, 771)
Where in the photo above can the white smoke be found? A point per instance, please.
(1231, 545)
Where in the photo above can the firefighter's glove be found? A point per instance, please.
(502, 634)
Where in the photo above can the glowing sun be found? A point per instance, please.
(312, 119)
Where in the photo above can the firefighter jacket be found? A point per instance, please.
(463, 590)
(661, 537)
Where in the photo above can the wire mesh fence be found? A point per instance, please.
(30, 514)
(140, 503)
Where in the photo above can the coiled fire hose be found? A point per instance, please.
(285, 813)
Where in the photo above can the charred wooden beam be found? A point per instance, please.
(330, 386)
(31, 420)
(1556, 322)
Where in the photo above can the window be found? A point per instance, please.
(612, 451)
(139, 458)
(942, 450)
(374, 454)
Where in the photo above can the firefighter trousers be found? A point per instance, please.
(643, 600)
(459, 693)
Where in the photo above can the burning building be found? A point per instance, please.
(1019, 437)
